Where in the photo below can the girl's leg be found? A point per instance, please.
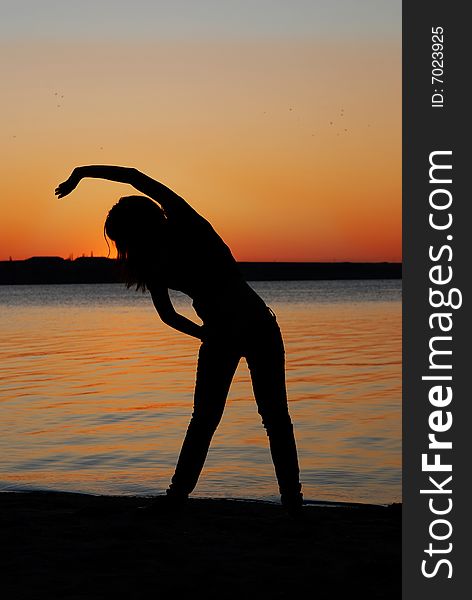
(216, 366)
(266, 362)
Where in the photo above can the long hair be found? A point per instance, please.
(137, 226)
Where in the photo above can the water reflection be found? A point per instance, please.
(97, 393)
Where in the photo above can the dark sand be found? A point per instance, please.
(77, 546)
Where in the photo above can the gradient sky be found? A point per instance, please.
(280, 122)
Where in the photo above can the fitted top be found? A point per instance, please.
(197, 262)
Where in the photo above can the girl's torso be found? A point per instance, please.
(197, 262)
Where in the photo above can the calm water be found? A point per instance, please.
(96, 393)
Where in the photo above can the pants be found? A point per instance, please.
(258, 340)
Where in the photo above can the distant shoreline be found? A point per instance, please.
(57, 270)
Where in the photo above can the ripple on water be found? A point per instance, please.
(97, 393)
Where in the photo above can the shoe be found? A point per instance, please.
(293, 504)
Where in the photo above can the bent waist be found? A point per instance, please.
(258, 316)
(237, 303)
(257, 328)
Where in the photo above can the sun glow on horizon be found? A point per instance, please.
(291, 149)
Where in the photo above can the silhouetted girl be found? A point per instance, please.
(169, 245)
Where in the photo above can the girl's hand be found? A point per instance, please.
(65, 188)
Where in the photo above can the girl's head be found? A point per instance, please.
(136, 225)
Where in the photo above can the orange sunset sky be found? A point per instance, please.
(279, 122)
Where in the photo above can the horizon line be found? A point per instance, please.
(277, 261)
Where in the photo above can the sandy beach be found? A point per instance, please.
(62, 545)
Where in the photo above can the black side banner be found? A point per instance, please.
(436, 317)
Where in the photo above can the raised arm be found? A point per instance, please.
(168, 314)
(168, 199)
